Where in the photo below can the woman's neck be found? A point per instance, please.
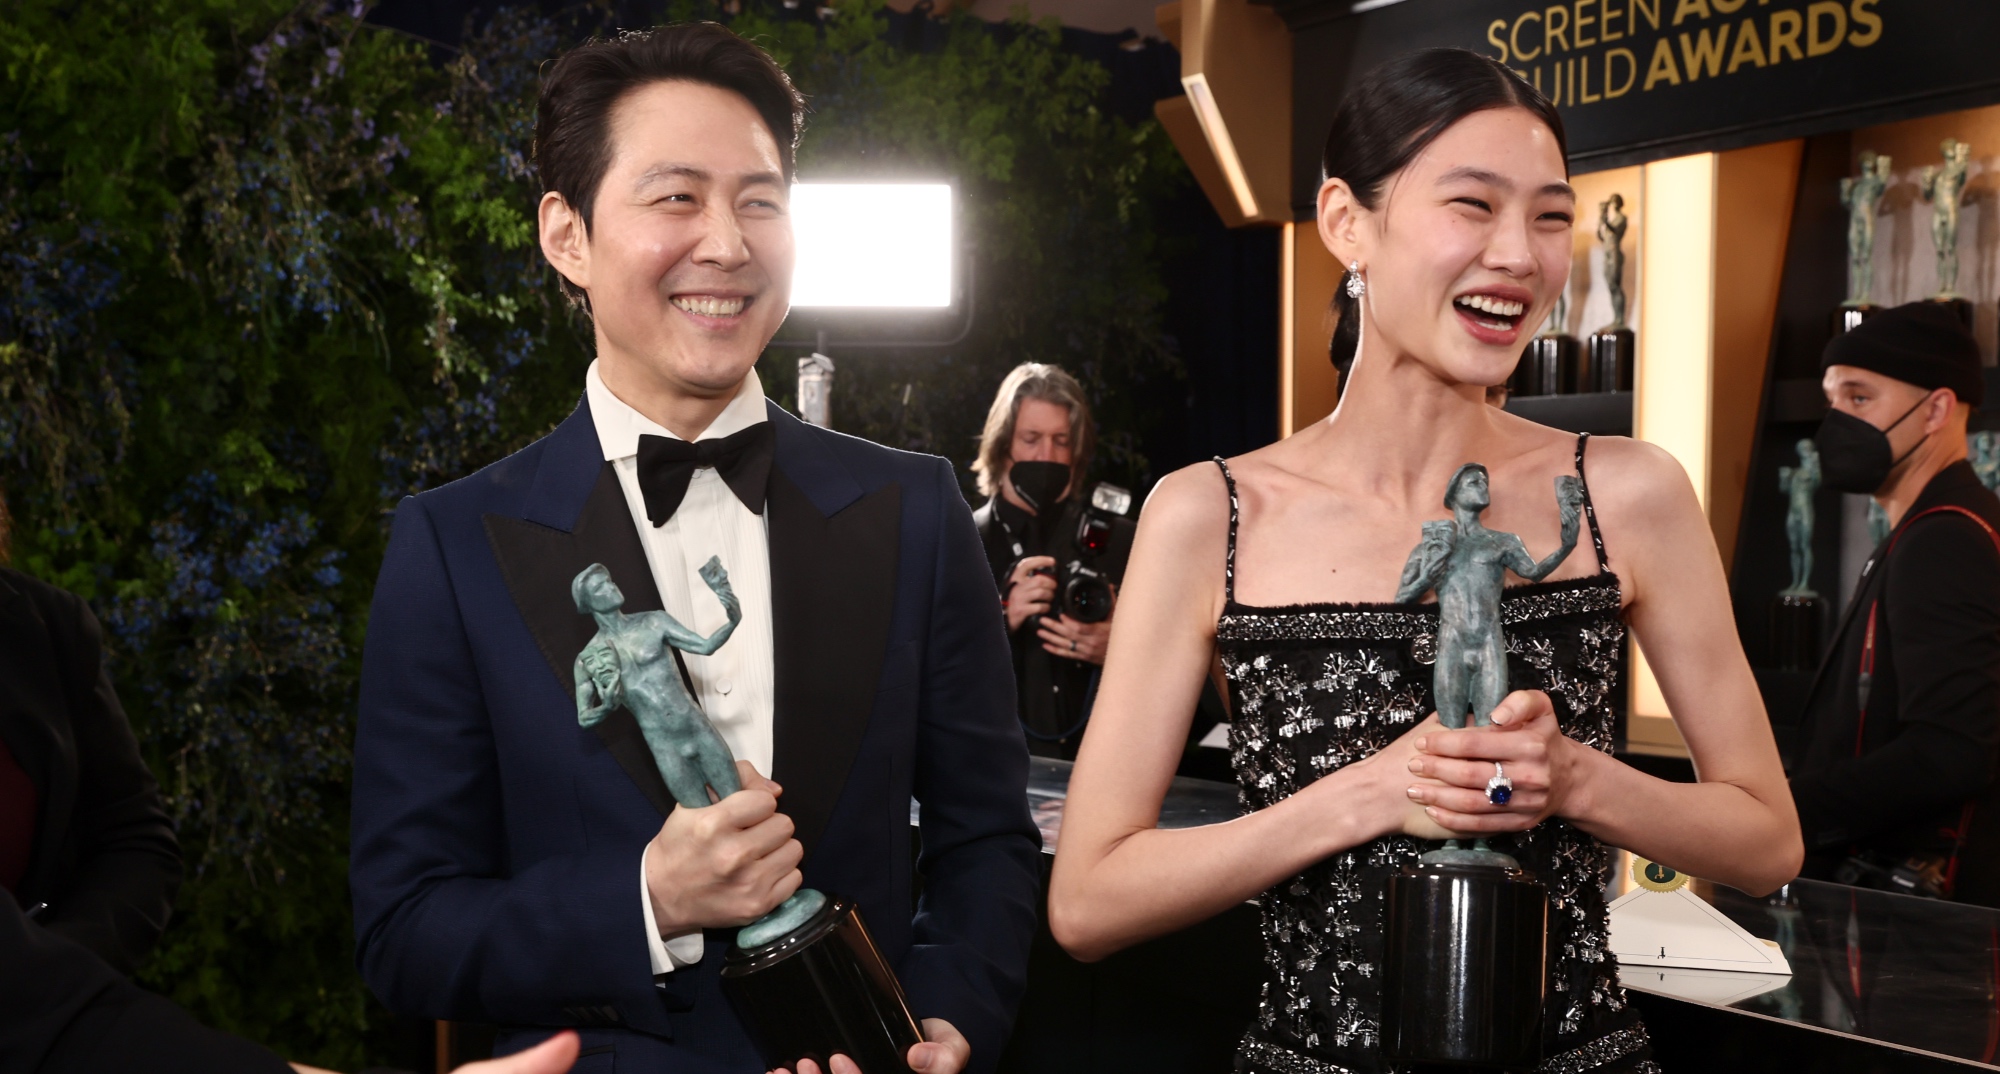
(1401, 430)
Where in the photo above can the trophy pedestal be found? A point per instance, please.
(1849, 317)
(1610, 361)
(1795, 623)
(820, 990)
(1465, 965)
(1548, 366)
(1960, 306)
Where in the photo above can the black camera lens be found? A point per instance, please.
(1087, 597)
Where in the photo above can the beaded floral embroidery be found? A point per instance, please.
(1314, 690)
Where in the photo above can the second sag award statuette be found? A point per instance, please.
(1861, 194)
(807, 978)
(1943, 185)
(1465, 961)
(1612, 348)
(1796, 614)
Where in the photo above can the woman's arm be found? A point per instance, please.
(1118, 878)
(1737, 826)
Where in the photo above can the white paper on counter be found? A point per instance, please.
(1717, 988)
(1676, 928)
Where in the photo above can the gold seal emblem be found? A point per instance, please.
(1653, 876)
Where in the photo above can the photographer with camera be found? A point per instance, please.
(1056, 555)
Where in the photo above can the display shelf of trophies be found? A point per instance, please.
(1799, 616)
(1596, 413)
(1583, 385)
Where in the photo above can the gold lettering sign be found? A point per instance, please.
(1583, 52)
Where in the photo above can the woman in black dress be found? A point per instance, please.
(1447, 198)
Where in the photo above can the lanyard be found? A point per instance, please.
(1007, 531)
(1866, 681)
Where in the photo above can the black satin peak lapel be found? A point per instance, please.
(539, 562)
(833, 590)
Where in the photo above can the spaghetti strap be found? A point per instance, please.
(1589, 510)
(1235, 512)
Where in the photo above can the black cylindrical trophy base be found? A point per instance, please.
(1465, 967)
(1848, 318)
(822, 990)
(1795, 623)
(1959, 306)
(1610, 363)
(1548, 367)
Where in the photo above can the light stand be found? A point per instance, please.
(815, 389)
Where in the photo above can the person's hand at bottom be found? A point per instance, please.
(944, 1051)
(552, 1056)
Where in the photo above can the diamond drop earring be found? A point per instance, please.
(1356, 286)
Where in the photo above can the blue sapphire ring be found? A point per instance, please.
(1499, 789)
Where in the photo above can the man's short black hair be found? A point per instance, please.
(573, 117)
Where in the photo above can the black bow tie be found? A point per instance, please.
(742, 459)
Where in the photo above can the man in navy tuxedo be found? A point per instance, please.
(511, 866)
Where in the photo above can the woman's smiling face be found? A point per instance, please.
(1467, 247)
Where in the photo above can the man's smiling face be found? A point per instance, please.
(688, 259)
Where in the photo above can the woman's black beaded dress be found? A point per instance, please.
(1316, 687)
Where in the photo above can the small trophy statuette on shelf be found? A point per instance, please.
(1862, 195)
(1465, 967)
(1944, 187)
(1612, 348)
(1878, 523)
(1551, 363)
(1986, 457)
(806, 978)
(1796, 614)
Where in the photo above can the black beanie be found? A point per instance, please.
(1923, 343)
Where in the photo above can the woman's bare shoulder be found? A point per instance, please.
(1190, 504)
(1636, 482)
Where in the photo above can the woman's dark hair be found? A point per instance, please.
(1394, 112)
(573, 116)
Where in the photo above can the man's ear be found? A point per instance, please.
(1339, 220)
(1940, 408)
(565, 240)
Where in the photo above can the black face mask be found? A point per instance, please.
(1855, 456)
(1039, 484)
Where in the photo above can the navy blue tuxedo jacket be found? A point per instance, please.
(496, 843)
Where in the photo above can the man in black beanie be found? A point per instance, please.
(1895, 779)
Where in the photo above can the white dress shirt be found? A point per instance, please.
(735, 685)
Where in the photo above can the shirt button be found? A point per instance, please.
(725, 686)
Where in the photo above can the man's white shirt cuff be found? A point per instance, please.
(667, 955)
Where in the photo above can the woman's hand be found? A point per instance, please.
(1526, 741)
(1390, 789)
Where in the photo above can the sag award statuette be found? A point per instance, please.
(1550, 364)
(1613, 346)
(1465, 965)
(806, 977)
(1985, 457)
(1944, 187)
(1796, 614)
(1861, 194)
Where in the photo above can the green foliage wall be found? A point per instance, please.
(265, 269)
